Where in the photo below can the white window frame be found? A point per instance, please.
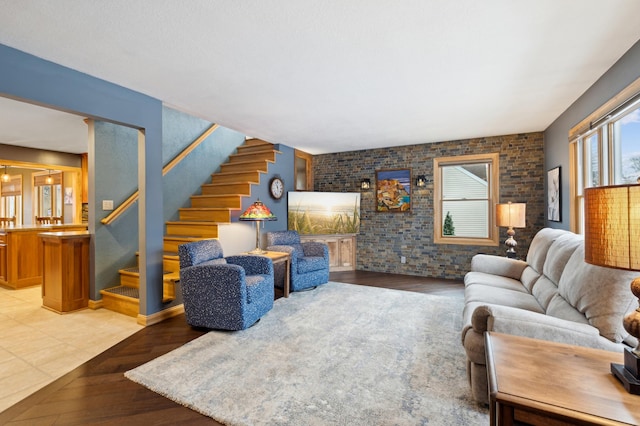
(601, 122)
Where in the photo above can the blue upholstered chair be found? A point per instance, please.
(229, 293)
(309, 260)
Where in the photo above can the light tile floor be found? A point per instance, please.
(38, 346)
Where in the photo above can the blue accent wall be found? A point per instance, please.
(35, 80)
(116, 174)
(185, 180)
(556, 136)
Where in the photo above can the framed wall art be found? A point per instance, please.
(393, 190)
(554, 210)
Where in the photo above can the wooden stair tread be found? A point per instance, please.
(208, 209)
(122, 291)
(237, 173)
(195, 222)
(136, 270)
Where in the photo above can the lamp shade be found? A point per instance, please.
(511, 215)
(612, 226)
(257, 212)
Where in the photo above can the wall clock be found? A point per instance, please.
(276, 188)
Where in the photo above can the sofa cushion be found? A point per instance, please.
(298, 251)
(558, 307)
(310, 264)
(529, 278)
(219, 261)
(482, 278)
(544, 290)
(601, 294)
(558, 255)
(501, 296)
(540, 246)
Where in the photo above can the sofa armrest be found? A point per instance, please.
(498, 265)
(520, 322)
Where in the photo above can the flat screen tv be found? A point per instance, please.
(323, 212)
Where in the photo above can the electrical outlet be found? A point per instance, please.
(107, 204)
(403, 259)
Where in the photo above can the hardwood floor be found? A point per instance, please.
(98, 393)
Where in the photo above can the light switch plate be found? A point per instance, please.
(107, 204)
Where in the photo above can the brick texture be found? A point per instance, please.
(385, 237)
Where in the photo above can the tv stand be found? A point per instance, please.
(342, 249)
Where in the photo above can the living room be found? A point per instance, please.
(527, 154)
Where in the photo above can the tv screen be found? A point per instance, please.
(324, 212)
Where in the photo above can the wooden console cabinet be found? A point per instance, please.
(65, 262)
(342, 250)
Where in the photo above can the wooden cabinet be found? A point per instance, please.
(342, 250)
(3, 257)
(65, 274)
(21, 253)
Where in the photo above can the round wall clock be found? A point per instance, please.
(276, 188)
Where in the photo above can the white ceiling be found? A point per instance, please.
(337, 75)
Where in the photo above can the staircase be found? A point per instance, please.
(200, 221)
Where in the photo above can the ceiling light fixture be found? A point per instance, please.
(48, 180)
(5, 175)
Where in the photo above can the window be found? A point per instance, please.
(11, 198)
(48, 195)
(606, 151)
(465, 195)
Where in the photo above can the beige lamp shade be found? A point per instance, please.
(511, 215)
(612, 226)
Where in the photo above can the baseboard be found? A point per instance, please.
(147, 320)
(95, 304)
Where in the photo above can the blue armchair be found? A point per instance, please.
(229, 293)
(309, 260)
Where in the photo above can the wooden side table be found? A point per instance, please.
(280, 257)
(547, 383)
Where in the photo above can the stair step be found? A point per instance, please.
(199, 229)
(244, 166)
(204, 214)
(171, 242)
(255, 142)
(255, 147)
(252, 176)
(228, 188)
(216, 201)
(266, 155)
(122, 299)
(123, 290)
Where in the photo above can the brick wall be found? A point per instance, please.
(384, 237)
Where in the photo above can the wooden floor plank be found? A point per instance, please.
(98, 392)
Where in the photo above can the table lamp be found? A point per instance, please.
(511, 215)
(257, 212)
(612, 239)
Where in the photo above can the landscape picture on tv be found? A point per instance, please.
(324, 212)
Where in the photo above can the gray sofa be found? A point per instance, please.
(554, 295)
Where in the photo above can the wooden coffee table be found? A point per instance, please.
(546, 383)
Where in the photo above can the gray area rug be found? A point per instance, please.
(341, 354)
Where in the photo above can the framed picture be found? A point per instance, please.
(553, 195)
(393, 190)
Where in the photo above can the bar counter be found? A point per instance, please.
(21, 253)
